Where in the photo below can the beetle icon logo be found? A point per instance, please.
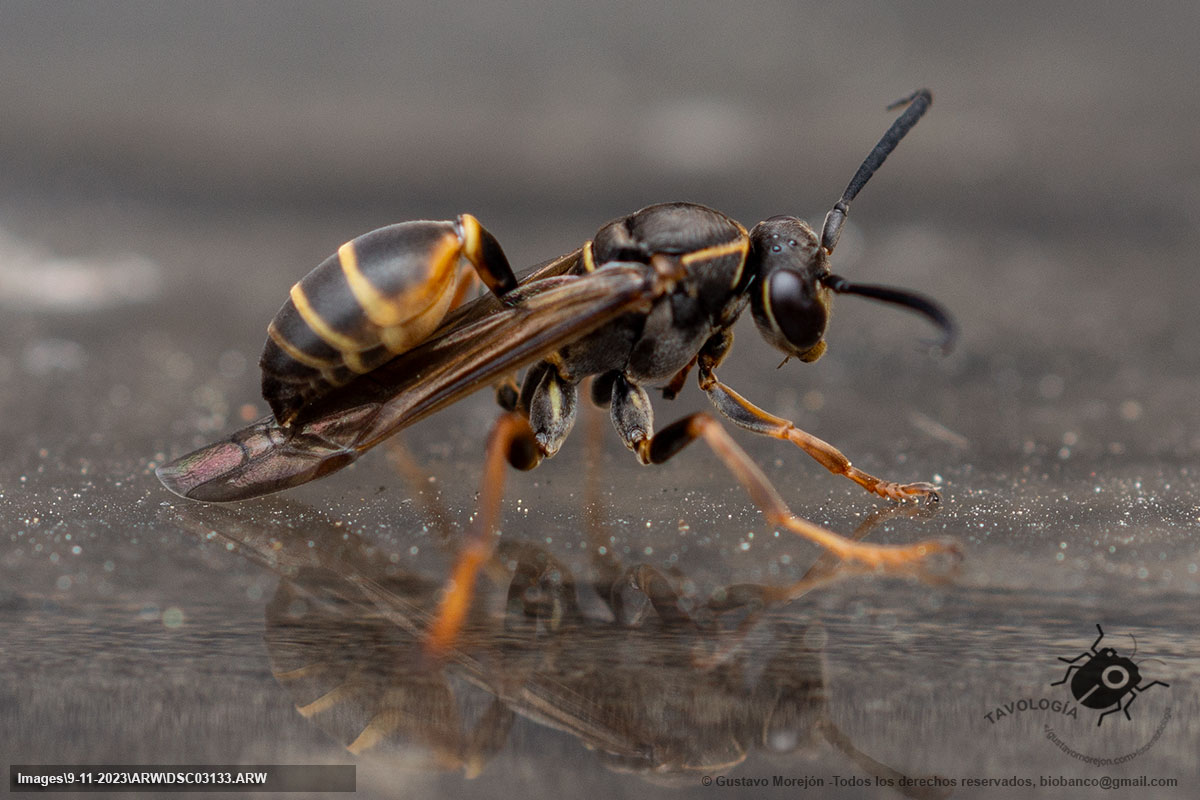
(1106, 680)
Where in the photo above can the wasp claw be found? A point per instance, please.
(920, 491)
(903, 492)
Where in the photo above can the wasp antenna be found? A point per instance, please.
(917, 302)
(915, 106)
(1134, 653)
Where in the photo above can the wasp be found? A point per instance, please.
(378, 337)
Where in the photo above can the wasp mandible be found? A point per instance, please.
(375, 339)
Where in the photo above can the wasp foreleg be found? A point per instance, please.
(633, 418)
(745, 414)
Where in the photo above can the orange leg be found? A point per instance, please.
(669, 441)
(745, 414)
(511, 441)
(633, 418)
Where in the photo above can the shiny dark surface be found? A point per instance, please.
(166, 172)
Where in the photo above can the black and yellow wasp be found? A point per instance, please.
(374, 340)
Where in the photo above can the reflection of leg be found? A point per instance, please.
(757, 598)
(511, 441)
(488, 737)
(660, 593)
(541, 590)
(606, 568)
(437, 724)
(419, 481)
(828, 569)
(437, 517)
(633, 418)
(440, 732)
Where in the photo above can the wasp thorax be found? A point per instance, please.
(788, 301)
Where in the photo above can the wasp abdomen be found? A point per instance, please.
(379, 295)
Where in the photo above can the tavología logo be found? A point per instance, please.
(1030, 704)
(1105, 681)
(1099, 679)
(1102, 679)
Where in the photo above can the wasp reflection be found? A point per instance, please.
(648, 680)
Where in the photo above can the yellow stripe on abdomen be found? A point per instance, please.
(348, 347)
(380, 309)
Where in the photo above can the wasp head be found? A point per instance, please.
(790, 280)
(790, 297)
(789, 302)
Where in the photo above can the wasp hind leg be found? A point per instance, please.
(633, 417)
(511, 440)
(544, 416)
(745, 414)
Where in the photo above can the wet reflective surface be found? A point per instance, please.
(167, 176)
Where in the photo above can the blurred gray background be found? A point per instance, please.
(167, 170)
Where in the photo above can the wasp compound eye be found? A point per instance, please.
(791, 313)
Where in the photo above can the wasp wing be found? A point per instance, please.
(541, 316)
